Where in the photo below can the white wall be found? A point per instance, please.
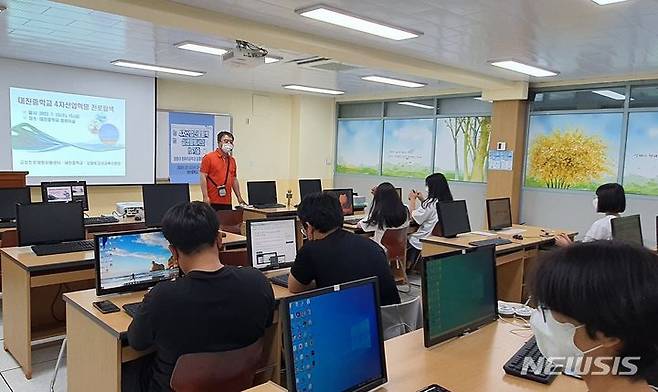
(573, 210)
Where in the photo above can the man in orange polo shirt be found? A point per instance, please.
(219, 174)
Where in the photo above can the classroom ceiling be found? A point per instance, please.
(50, 32)
(575, 37)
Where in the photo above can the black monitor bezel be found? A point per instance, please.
(335, 191)
(509, 209)
(248, 224)
(399, 191)
(613, 226)
(19, 207)
(47, 184)
(97, 264)
(308, 180)
(427, 340)
(26, 192)
(269, 182)
(147, 222)
(287, 339)
(442, 221)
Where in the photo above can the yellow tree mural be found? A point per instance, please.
(564, 159)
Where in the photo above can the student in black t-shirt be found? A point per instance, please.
(333, 255)
(211, 308)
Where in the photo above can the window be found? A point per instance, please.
(462, 147)
(360, 110)
(598, 98)
(359, 147)
(641, 161)
(573, 151)
(408, 148)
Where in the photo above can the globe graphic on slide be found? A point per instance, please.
(108, 134)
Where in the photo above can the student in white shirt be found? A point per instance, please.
(423, 212)
(610, 200)
(387, 212)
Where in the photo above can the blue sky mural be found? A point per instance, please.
(408, 146)
(359, 146)
(641, 163)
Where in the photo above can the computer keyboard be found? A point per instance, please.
(100, 220)
(514, 366)
(7, 225)
(352, 221)
(264, 206)
(132, 308)
(63, 247)
(492, 241)
(280, 280)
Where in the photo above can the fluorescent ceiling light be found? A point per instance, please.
(482, 99)
(156, 68)
(272, 59)
(313, 89)
(610, 94)
(395, 82)
(606, 2)
(417, 105)
(523, 68)
(343, 19)
(202, 48)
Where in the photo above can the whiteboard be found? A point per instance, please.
(223, 122)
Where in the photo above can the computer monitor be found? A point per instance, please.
(333, 339)
(49, 223)
(453, 217)
(627, 229)
(499, 213)
(459, 293)
(271, 243)
(306, 187)
(261, 192)
(9, 197)
(132, 261)
(159, 198)
(346, 199)
(65, 191)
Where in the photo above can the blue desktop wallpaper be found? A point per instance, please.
(336, 339)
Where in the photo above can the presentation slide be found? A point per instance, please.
(54, 133)
(72, 124)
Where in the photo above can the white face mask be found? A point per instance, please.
(595, 203)
(227, 147)
(555, 339)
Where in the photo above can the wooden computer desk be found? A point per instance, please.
(513, 261)
(96, 345)
(262, 213)
(472, 363)
(31, 284)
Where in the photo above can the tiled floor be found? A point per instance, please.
(43, 366)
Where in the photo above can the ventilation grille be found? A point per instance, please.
(323, 64)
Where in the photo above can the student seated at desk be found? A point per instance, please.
(333, 255)
(599, 301)
(211, 308)
(387, 212)
(425, 213)
(610, 200)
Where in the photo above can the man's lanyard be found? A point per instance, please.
(228, 167)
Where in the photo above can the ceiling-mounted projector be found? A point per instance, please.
(244, 55)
